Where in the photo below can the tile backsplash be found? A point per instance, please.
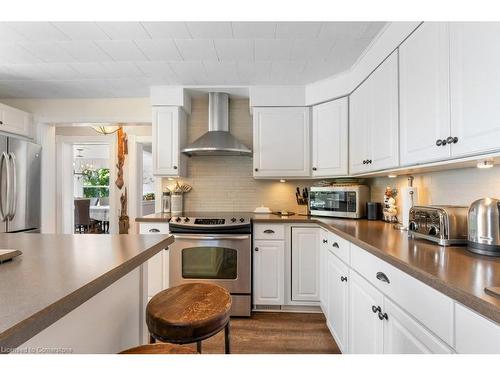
(226, 183)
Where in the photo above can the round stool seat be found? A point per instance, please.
(160, 348)
(188, 312)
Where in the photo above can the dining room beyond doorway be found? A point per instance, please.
(91, 188)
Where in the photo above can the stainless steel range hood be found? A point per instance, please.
(218, 140)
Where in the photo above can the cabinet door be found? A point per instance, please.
(475, 86)
(365, 327)
(15, 121)
(404, 335)
(268, 272)
(424, 94)
(281, 142)
(168, 139)
(329, 135)
(374, 127)
(323, 274)
(474, 334)
(305, 264)
(338, 303)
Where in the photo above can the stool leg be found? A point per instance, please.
(198, 346)
(227, 339)
(152, 340)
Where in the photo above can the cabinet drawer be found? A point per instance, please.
(269, 232)
(340, 247)
(432, 308)
(474, 333)
(153, 228)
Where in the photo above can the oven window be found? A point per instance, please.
(209, 262)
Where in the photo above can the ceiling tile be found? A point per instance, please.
(334, 30)
(372, 29)
(122, 50)
(189, 72)
(196, 49)
(347, 51)
(156, 69)
(122, 70)
(220, 73)
(164, 49)
(13, 53)
(38, 31)
(48, 51)
(210, 30)
(81, 30)
(287, 72)
(311, 49)
(234, 49)
(85, 51)
(8, 34)
(124, 30)
(254, 30)
(273, 49)
(167, 30)
(254, 73)
(297, 29)
(23, 72)
(91, 70)
(59, 71)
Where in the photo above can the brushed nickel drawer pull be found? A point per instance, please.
(154, 230)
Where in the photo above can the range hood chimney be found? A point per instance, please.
(218, 140)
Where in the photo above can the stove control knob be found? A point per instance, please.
(186, 220)
(233, 220)
(242, 220)
(178, 219)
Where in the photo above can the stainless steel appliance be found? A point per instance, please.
(339, 201)
(484, 227)
(445, 225)
(20, 163)
(216, 248)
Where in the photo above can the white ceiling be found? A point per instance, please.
(123, 59)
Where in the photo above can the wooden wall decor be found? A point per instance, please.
(124, 222)
(122, 151)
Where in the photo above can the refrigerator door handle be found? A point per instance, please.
(4, 161)
(13, 201)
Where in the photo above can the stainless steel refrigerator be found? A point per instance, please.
(20, 180)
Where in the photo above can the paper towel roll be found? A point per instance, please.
(409, 198)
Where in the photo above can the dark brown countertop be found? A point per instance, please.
(57, 273)
(453, 270)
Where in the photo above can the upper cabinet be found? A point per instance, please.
(424, 95)
(169, 136)
(475, 87)
(15, 121)
(281, 137)
(329, 139)
(374, 128)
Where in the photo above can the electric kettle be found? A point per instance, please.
(484, 227)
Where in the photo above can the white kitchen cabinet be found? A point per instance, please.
(425, 95)
(169, 137)
(475, 87)
(157, 265)
(329, 139)
(365, 328)
(475, 334)
(373, 120)
(305, 264)
(404, 335)
(338, 302)
(15, 121)
(323, 272)
(281, 141)
(268, 272)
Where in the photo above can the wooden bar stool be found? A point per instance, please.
(159, 348)
(189, 313)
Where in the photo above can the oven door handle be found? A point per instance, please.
(211, 237)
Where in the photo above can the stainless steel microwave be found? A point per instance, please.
(339, 201)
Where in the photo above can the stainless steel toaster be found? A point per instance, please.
(484, 227)
(445, 225)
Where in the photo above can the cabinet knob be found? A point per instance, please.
(376, 309)
(325, 241)
(256, 169)
(455, 139)
(439, 142)
(335, 244)
(443, 142)
(343, 278)
(1, 122)
(154, 230)
(256, 249)
(449, 140)
(175, 167)
(382, 277)
(315, 169)
(383, 316)
(364, 161)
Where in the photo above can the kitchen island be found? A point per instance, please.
(75, 293)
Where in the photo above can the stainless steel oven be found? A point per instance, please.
(339, 201)
(216, 250)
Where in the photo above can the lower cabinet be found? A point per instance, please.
(337, 299)
(305, 264)
(268, 272)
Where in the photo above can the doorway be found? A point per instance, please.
(148, 181)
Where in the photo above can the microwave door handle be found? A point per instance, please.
(12, 208)
(4, 161)
(211, 237)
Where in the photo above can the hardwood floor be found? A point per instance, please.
(276, 333)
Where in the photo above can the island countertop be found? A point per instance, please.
(57, 273)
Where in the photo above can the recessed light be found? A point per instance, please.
(282, 180)
(392, 175)
(484, 164)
